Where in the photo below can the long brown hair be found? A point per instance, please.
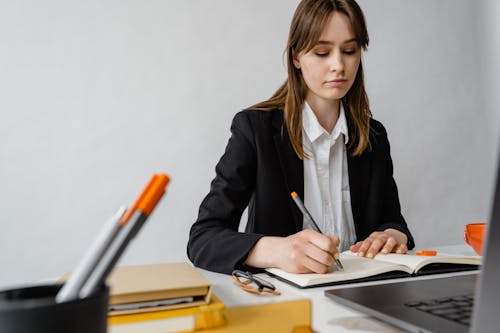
(305, 30)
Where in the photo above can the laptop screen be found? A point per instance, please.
(488, 292)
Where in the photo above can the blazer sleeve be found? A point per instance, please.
(214, 241)
(390, 205)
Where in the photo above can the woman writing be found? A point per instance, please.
(314, 136)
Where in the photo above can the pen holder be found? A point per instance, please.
(33, 309)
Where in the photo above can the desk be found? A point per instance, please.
(327, 316)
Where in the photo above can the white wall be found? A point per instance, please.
(98, 95)
(424, 74)
(491, 66)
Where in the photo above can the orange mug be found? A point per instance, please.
(474, 234)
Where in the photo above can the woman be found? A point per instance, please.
(314, 136)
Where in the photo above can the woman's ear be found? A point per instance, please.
(296, 62)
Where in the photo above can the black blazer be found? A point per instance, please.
(260, 169)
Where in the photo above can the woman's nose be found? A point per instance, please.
(336, 62)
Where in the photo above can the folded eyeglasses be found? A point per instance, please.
(247, 280)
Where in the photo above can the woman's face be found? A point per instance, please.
(330, 67)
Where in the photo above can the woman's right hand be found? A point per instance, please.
(307, 251)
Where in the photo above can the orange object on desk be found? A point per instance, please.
(474, 235)
(429, 253)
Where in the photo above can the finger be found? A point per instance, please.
(297, 261)
(365, 245)
(317, 254)
(390, 245)
(355, 248)
(314, 266)
(402, 249)
(327, 243)
(375, 247)
(336, 241)
(400, 236)
(307, 257)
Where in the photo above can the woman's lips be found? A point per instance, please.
(335, 82)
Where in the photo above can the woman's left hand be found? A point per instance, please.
(387, 241)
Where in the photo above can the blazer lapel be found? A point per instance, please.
(291, 166)
(358, 180)
(359, 177)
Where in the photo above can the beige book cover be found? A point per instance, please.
(155, 282)
(143, 283)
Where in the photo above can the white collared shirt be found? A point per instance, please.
(326, 179)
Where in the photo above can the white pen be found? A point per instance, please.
(71, 288)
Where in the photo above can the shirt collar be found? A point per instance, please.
(314, 130)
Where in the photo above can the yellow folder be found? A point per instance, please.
(276, 317)
(289, 316)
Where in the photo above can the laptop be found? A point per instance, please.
(466, 303)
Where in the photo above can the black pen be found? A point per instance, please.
(311, 221)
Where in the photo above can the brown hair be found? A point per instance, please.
(305, 30)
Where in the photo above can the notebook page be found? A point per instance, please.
(354, 268)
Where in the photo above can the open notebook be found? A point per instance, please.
(358, 269)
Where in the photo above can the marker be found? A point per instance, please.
(105, 251)
(130, 225)
(311, 221)
(91, 258)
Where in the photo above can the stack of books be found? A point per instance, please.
(176, 298)
(162, 298)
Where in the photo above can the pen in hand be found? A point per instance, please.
(311, 221)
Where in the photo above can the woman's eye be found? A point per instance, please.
(321, 54)
(350, 51)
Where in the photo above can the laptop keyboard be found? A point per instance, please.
(458, 308)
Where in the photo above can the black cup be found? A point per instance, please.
(33, 309)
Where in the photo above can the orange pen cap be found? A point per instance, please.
(149, 197)
(154, 194)
(429, 253)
